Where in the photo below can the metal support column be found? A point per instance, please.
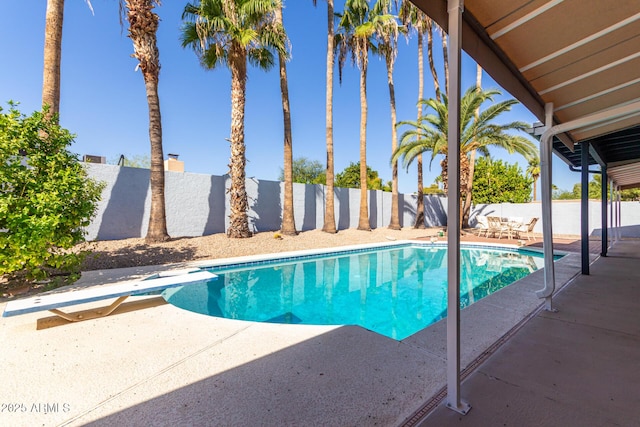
(584, 207)
(546, 146)
(619, 214)
(603, 211)
(612, 235)
(455, 9)
(614, 212)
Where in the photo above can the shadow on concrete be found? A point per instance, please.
(325, 380)
(632, 231)
(137, 255)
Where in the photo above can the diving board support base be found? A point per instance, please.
(91, 314)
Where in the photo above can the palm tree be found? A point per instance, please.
(415, 19)
(466, 203)
(232, 33)
(533, 170)
(445, 59)
(387, 36)
(329, 210)
(356, 30)
(53, 55)
(143, 24)
(430, 133)
(288, 220)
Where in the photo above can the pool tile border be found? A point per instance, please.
(285, 257)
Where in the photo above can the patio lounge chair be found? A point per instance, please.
(482, 225)
(526, 229)
(121, 291)
(496, 227)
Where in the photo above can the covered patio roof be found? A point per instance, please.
(574, 64)
(582, 56)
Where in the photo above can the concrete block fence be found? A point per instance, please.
(198, 205)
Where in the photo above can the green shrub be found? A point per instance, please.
(46, 198)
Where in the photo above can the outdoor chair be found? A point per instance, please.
(495, 226)
(526, 229)
(482, 225)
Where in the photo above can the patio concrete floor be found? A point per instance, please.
(166, 366)
(577, 367)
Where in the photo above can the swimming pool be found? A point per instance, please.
(394, 290)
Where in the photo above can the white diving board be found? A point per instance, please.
(121, 291)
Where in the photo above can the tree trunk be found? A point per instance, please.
(238, 221)
(143, 25)
(535, 187)
(468, 197)
(445, 57)
(394, 224)
(363, 221)
(288, 220)
(157, 231)
(432, 65)
(329, 211)
(52, 56)
(420, 201)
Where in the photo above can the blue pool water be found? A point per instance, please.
(395, 291)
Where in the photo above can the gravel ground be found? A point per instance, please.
(135, 252)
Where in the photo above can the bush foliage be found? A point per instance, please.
(350, 178)
(500, 182)
(46, 197)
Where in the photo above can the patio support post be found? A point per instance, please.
(546, 148)
(614, 213)
(584, 207)
(619, 213)
(603, 212)
(455, 8)
(611, 202)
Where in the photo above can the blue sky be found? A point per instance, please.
(103, 99)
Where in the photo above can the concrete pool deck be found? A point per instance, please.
(167, 366)
(576, 367)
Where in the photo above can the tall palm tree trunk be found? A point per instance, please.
(432, 65)
(329, 211)
(466, 211)
(52, 56)
(288, 221)
(363, 222)
(420, 205)
(143, 25)
(157, 230)
(238, 221)
(445, 57)
(394, 224)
